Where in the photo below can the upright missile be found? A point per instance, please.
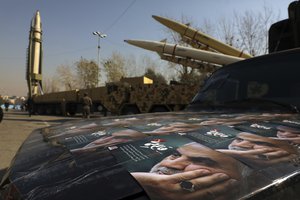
(34, 56)
(185, 52)
(194, 34)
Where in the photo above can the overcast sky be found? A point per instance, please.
(68, 25)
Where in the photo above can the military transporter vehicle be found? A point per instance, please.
(128, 96)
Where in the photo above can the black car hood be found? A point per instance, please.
(99, 158)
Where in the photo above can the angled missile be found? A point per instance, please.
(185, 52)
(186, 62)
(34, 56)
(196, 44)
(194, 34)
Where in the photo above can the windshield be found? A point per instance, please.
(274, 78)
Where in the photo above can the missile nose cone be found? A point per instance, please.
(133, 42)
(156, 17)
(162, 20)
(37, 15)
(138, 43)
(36, 21)
(174, 25)
(145, 44)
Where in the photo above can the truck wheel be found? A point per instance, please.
(40, 110)
(58, 110)
(71, 109)
(159, 109)
(49, 110)
(130, 110)
(72, 113)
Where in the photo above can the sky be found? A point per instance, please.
(67, 27)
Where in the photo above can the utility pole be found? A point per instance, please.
(99, 35)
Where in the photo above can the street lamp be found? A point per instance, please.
(99, 35)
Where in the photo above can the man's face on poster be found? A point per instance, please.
(128, 133)
(174, 127)
(247, 141)
(287, 132)
(195, 156)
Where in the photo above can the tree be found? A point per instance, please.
(115, 67)
(87, 73)
(131, 67)
(51, 85)
(248, 28)
(226, 32)
(248, 31)
(66, 77)
(118, 66)
(151, 70)
(156, 77)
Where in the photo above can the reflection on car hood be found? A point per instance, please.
(98, 158)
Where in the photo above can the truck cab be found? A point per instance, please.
(266, 82)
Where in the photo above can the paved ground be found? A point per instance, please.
(15, 128)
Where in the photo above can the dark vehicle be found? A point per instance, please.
(238, 139)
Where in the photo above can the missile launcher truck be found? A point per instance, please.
(128, 96)
(141, 95)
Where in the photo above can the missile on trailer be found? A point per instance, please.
(194, 34)
(185, 52)
(196, 44)
(34, 56)
(186, 62)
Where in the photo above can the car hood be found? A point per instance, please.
(99, 158)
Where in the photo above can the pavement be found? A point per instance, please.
(15, 128)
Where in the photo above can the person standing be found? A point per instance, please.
(29, 106)
(86, 106)
(6, 105)
(1, 114)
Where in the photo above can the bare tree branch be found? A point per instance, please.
(66, 77)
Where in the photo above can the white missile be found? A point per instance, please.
(197, 35)
(184, 52)
(34, 56)
(196, 44)
(186, 62)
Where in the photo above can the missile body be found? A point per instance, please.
(202, 67)
(184, 52)
(34, 56)
(196, 44)
(194, 34)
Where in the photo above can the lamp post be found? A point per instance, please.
(99, 35)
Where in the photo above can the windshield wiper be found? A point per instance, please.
(288, 106)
